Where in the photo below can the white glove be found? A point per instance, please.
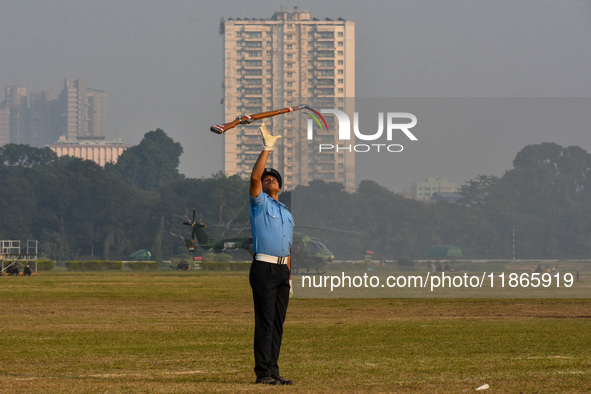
(290, 289)
(268, 139)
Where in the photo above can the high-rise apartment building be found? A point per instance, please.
(4, 124)
(72, 99)
(78, 114)
(284, 61)
(96, 113)
(84, 111)
(16, 103)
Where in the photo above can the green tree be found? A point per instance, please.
(15, 155)
(151, 164)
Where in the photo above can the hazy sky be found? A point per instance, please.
(160, 63)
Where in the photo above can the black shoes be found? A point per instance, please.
(274, 380)
(283, 381)
(267, 380)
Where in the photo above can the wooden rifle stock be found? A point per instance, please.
(247, 119)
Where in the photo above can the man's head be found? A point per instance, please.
(270, 176)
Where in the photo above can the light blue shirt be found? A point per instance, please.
(271, 225)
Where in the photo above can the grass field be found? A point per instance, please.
(192, 332)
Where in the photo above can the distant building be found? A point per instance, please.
(83, 111)
(99, 151)
(4, 124)
(13, 121)
(37, 120)
(446, 196)
(282, 62)
(96, 100)
(423, 191)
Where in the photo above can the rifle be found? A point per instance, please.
(248, 119)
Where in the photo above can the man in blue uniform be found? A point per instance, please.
(270, 272)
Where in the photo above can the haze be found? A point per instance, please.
(160, 63)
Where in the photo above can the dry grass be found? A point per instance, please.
(192, 332)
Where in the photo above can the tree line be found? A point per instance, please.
(541, 208)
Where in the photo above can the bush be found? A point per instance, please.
(143, 265)
(214, 266)
(44, 264)
(113, 265)
(217, 257)
(239, 265)
(405, 261)
(75, 265)
(93, 265)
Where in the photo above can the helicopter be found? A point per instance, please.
(307, 253)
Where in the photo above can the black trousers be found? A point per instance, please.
(270, 293)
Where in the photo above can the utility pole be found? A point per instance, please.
(513, 243)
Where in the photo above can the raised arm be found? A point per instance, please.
(259, 167)
(257, 172)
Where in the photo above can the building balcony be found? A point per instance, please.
(325, 55)
(329, 82)
(324, 92)
(250, 67)
(253, 37)
(252, 92)
(324, 36)
(320, 65)
(326, 159)
(251, 43)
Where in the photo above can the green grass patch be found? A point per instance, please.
(192, 332)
